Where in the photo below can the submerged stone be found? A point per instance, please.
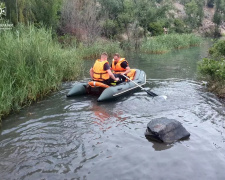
(166, 130)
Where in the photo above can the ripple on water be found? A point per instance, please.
(82, 139)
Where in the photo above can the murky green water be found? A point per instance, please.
(78, 138)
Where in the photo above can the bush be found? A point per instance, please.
(218, 49)
(213, 68)
(110, 28)
(156, 28)
(68, 41)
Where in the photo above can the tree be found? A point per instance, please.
(33, 11)
(116, 14)
(195, 13)
(219, 15)
(149, 12)
(156, 29)
(81, 18)
(46, 12)
(179, 26)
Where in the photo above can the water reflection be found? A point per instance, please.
(160, 146)
(102, 117)
(105, 118)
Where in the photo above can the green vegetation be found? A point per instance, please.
(213, 68)
(165, 43)
(90, 19)
(94, 51)
(32, 64)
(33, 11)
(139, 12)
(156, 28)
(180, 27)
(195, 13)
(219, 15)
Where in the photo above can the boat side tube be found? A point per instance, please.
(123, 88)
(77, 90)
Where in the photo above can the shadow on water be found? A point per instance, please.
(79, 138)
(161, 146)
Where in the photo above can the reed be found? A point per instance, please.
(32, 64)
(166, 43)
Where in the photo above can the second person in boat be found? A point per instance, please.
(120, 67)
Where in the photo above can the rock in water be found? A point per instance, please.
(166, 130)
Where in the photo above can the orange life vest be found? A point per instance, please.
(99, 73)
(117, 68)
(131, 74)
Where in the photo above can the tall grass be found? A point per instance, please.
(166, 43)
(32, 64)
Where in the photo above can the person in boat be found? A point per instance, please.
(101, 71)
(120, 67)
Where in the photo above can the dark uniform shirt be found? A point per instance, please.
(124, 64)
(106, 66)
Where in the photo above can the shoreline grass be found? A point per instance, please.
(32, 64)
(165, 43)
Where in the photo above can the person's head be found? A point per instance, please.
(116, 56)
(104, 56)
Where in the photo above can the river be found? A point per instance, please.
(77, 138)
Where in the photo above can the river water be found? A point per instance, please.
(78, 138)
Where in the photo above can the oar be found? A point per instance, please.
(148, 92)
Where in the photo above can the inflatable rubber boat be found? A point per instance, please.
(106, 92)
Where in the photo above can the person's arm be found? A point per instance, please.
(127, 70)
(91, 73)
(112, 75)
(125, 66)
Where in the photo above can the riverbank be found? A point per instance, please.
(213, 68)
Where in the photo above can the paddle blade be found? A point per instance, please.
(151, 93)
